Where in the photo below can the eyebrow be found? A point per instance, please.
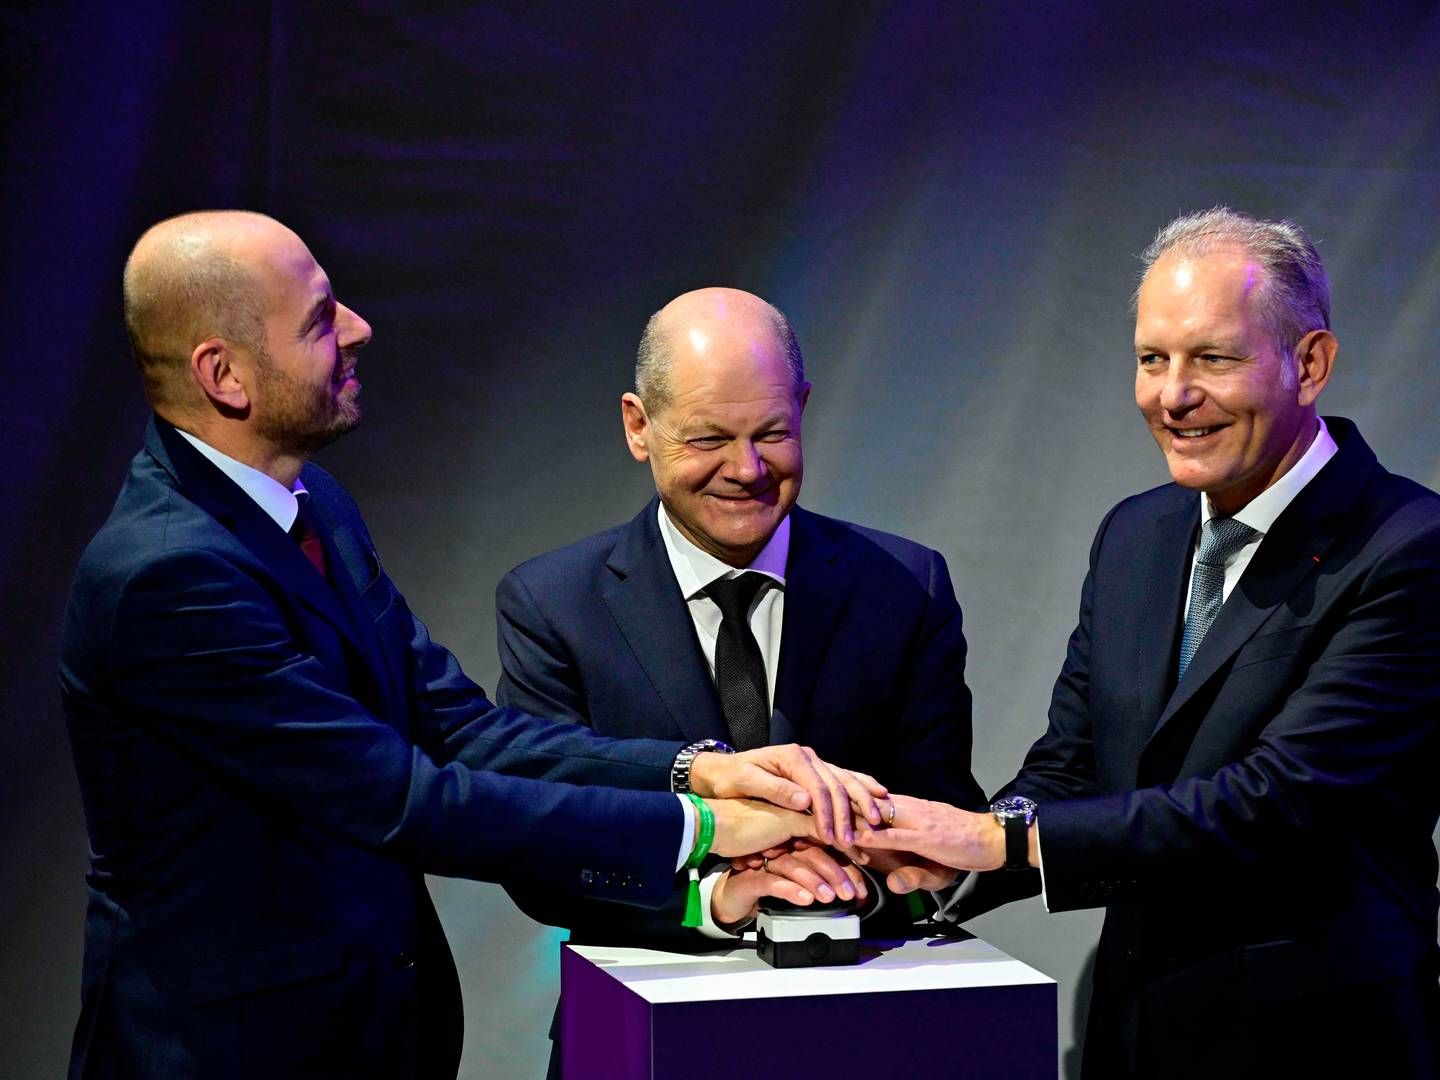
(1199, 347)
(701, 427)
(321, 305)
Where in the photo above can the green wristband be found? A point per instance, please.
(705, 836)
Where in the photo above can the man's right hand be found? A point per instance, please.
(743, 826)
(799, 875)
(795, 777)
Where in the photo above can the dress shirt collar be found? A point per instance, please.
(1260, 512)
(695, 569)
(278, 501)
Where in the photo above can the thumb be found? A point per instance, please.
(903, 880)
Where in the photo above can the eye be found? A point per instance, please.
(707, 442)
(775, 436)
(1149, 359)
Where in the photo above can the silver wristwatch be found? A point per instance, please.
(680, 768)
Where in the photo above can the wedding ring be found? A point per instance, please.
(891, 821)
(765, 867)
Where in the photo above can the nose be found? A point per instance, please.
(1179, 394)
(354, 330)
(745, 465)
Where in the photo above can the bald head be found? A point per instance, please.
(188, 279)
(708, 322)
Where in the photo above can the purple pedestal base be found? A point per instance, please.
(631, 1014)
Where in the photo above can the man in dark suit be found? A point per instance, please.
(271, 751)
(853, 636)
(1239, 758)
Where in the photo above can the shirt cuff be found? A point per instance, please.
(1040, 858)
(687, 837)
(708, 926)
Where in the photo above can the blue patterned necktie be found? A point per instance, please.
(1221, 538)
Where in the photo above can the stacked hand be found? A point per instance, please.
(795, 778)
(942, 834)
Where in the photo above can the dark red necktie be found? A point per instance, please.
(304, 534)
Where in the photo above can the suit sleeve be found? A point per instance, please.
(1344, 751)
(539, 675)
(200, 654)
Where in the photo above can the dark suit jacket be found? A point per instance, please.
(1262, 831)
(268, 765)
(871, 672)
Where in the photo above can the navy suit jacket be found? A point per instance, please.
(1262, 830)
(269, 763)
(871, 671)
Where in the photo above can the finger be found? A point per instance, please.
(785, 889)
(874, 786)
(860, 796)
(829, 870)
(892, 839)
(839, 826)
(789, 868)
(750, 862)
(911, 879)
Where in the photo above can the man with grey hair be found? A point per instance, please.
(1241, 740)
(725, 611)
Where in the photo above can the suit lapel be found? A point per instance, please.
(816, 592)
(1163, 608)
(222, 499)
(1292, 550)
(352, 565)
(645, 601)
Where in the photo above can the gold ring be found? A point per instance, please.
(892, 815)
(765, 867)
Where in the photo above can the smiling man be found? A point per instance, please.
(724, 611)
(271, 750)
(1241, 744)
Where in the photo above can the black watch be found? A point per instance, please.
(1015, 813)
(680, 767)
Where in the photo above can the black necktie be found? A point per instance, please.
(739, 667)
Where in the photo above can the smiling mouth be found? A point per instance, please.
(1193, 433)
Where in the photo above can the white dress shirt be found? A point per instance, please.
(696, 569)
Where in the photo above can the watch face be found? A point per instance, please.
(1013, 806)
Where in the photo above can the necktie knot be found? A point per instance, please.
(733, 596)
(1221, 538)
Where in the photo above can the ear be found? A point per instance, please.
(637, 426)
(1314, 360)
(213, 365)
(804, 396)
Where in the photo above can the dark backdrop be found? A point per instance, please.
(946, 199)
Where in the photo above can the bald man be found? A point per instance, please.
(845, 639)
(270, 749)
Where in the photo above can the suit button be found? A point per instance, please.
(587, 876)
(404, 961)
